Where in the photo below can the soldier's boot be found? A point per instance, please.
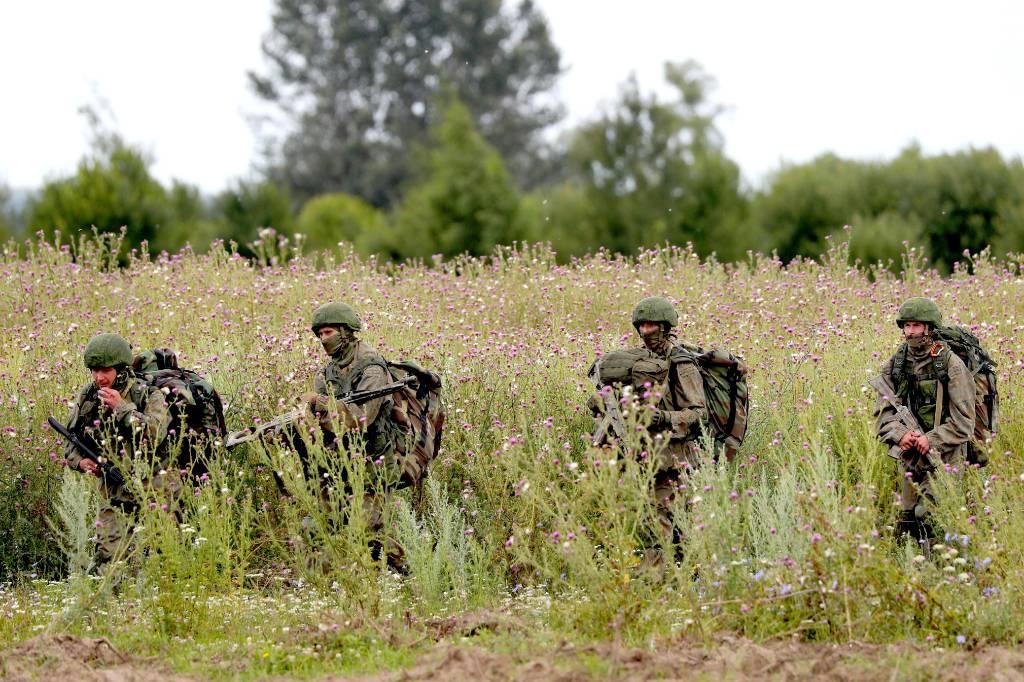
(917, 529)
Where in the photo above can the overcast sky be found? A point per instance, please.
(798, 78)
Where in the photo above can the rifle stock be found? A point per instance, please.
(612, 424)
(279, 422)
(110, 473)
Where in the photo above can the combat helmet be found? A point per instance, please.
(335, 315)
(919, 309)
(107, 350)
(655, 309)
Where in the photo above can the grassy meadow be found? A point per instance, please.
(525, 535)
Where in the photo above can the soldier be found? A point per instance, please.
(943, 409)
(121, 418)
(355, 366)
(681, 414)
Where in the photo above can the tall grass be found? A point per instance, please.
(795, 536)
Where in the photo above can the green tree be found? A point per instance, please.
(654, 171)
(562, 216)
(331, 218)
(961, 198)
(354, 82)
(947, 203)
(6, 214)
(112, 188)
(465, 201)
(247, 206)
(806, 202)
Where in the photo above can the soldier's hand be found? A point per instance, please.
(318, 404)
(909, 440)
(110, 398)
(659, 419)
(922, 444)
(89, 466)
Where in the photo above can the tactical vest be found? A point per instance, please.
(89, 412)
(919, 392)
(382, 434)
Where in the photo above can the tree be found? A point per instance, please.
(465, 201)
(6, 214)
(654, 170)
(111, 189)
(331, 218)
(949, 203)
(356, 81)
(962, 199)
(247, 206)
(806, 202)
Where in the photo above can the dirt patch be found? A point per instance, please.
(78, 659)
(470, 624)
(729, 659)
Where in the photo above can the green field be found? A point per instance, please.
(526, 539)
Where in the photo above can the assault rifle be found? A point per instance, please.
(903, 413)
(111, 475)
(276, 424)
(611, 423)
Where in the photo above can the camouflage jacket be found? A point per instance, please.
(948, 436)
(138, 424)
(683, 404)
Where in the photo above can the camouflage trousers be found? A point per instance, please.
(916, 480)
(118, 515)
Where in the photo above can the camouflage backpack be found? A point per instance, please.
(419, 414)
(723, 375)
(195, 406)
(981, 366)
(725, 392)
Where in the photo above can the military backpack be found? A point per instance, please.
(723, 374)
(725, 392)
(195, 406)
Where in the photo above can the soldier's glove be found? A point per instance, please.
(660, 420)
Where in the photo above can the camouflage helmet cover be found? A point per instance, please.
(107, 350)
(655, 309)
(919, 309)
(335, 315)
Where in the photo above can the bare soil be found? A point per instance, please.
(77, 659)
(731, 659)
(81, 659)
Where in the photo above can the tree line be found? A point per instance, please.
(420, 127)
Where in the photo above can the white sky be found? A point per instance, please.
(862, 79)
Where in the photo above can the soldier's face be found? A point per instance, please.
(647, 328)
(104, 377)
(914, 329)
(326, 332)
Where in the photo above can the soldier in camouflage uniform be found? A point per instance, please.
(123, 419)
(944, 410)
(355, 366)
(682, 414)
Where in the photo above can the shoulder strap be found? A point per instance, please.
(899, 363)
(82, 406)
